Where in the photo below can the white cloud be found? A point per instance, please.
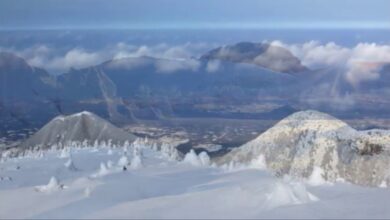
(355, 65)
(213, 66)
(361, 62)
(76, 58)
(371, 52)
(360, 72)
(128, 64)
(59, 61)
(170, 66)
(277, 59)
(316, 55)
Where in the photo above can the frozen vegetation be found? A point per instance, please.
(313, 144)
(88, 183)
(84, 128)
(309, 165)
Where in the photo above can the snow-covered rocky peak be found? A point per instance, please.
(313, 118)
(76, 115)
(311, 121)
(77, 129)
(309, 139)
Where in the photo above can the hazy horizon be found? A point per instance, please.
(178, 14)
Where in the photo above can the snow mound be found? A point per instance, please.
(283, 194)
(5, 178)
(70, 165)
(52, 186)
(309, 139)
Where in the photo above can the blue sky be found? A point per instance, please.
(155, 14)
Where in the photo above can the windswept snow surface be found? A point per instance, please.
(43, 186)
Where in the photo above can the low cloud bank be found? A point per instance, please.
(361, 63)
(57, 61)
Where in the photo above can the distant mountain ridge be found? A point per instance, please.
(265, 55)
(125, 89)
(152, 87)
(20, 81)
(135, 88)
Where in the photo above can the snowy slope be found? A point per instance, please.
(45, 186)
(81, 128)
(307, 140)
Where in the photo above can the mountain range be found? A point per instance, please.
(218, 84)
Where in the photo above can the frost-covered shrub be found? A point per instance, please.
(70, 165)
(102, 171)
(109, 164)
(136, 161)
(316, 178)
(288, 193)
(204, 158)
(197, 160)
(65, 153)
(53, 185)
(169, 151)
(259, 163)
(123, 161)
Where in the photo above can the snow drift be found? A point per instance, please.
(310, 140)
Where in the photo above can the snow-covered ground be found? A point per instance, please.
(91, 183)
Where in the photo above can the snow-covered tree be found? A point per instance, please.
(169, 151)
(70, 165)
(65, 153)
(192, 158)
(53, 185)
(102, 171)
(109, 164)
(136, 161)
(125, 147)
(204, 158)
